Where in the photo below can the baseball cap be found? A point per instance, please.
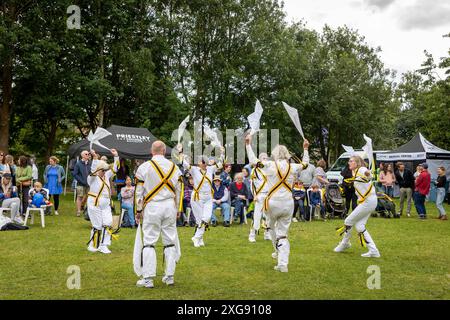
(424, 165)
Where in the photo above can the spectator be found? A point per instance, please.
(9, 197)
(225, 176)
(127, 203)
(422, 188)
(54, 175)
(387, 179)
(307, 176)
(80, 174)
(2, 163)
(378, 172)
(248, 182)
(418, 171)
(239, 192)
(440, 185)
(24, 177)
(221, 196)
(121, 175)
(320, 177)
(188, 189)
(349, 189)
(316, 200)
(11, 167)
(38, 197)
(299, 194)
(34, 168)
(405, 180)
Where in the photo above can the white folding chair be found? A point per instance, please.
(4, 209)
(31, 211)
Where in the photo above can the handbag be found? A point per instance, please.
(26, 183)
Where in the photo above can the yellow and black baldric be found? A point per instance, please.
(258, 174)
(280, 184)
(200, 185)
(362, 179)
(99, 194)
(165, 181)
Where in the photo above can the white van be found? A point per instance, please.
(334, 173)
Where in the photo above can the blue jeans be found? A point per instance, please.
(440, 200)
(128, 218)
(419, 202)
(389, 190)
(225, 211)
(238, 205)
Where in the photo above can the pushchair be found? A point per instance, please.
(385, 207)
(334, 201)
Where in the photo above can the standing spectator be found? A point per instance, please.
(405, 180)
(316, 200)
(24, 177)
(349, 189)
(221, 196)
(422, 188)
(239, 192)
(2, 163)
(320, 177)
(80, 174)
(387, 179)
(307, 176)
(54, 175)
(440, 185)
(248, 183)
(34, 168)
(418, 171)
(127, 203)
(121, 175)
(299, 195)
(11, 168)
(9, 197)
(225, 176)
(378, 172)
(188, 189)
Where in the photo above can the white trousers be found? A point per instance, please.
(202, 210)
(101, 219)
(258, 212)
(14, 205)
(160, 219)
(280, 218)
(358, 219)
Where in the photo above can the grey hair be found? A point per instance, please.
(263, 156)
(204, 159)
(238, 175)
(280, 152)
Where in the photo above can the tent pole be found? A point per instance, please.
(67, 172)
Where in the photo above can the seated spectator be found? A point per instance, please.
(316, 200)
(246, 171)
(9, 197)
(39, 197)
(299, 194)
(127, 204)
(2, 163)
(221, 196)
(239, 192)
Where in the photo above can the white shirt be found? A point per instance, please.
(95, 183)
(362, 183)
(197, 175)
(147, 174)
(270, 170)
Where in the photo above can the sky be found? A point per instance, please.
(402, 28)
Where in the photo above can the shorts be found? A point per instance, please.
(82, 191)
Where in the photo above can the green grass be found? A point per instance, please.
(415, 263)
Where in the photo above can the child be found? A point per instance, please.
(316, 200)
(39, 197)
(127, 196)
(299, 193)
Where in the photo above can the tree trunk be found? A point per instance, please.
(51, 138)
(5, 111)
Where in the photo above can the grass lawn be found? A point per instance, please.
(415, 263)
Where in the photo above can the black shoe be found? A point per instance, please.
(214, 224)
(226, 224)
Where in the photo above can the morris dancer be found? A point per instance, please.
(99, 202)
(203, 194)
(279, 204)
(367, 203)
(159, 185)
(260, 189)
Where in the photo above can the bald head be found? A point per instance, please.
(158, 148)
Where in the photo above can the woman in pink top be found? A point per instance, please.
(387, 179)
